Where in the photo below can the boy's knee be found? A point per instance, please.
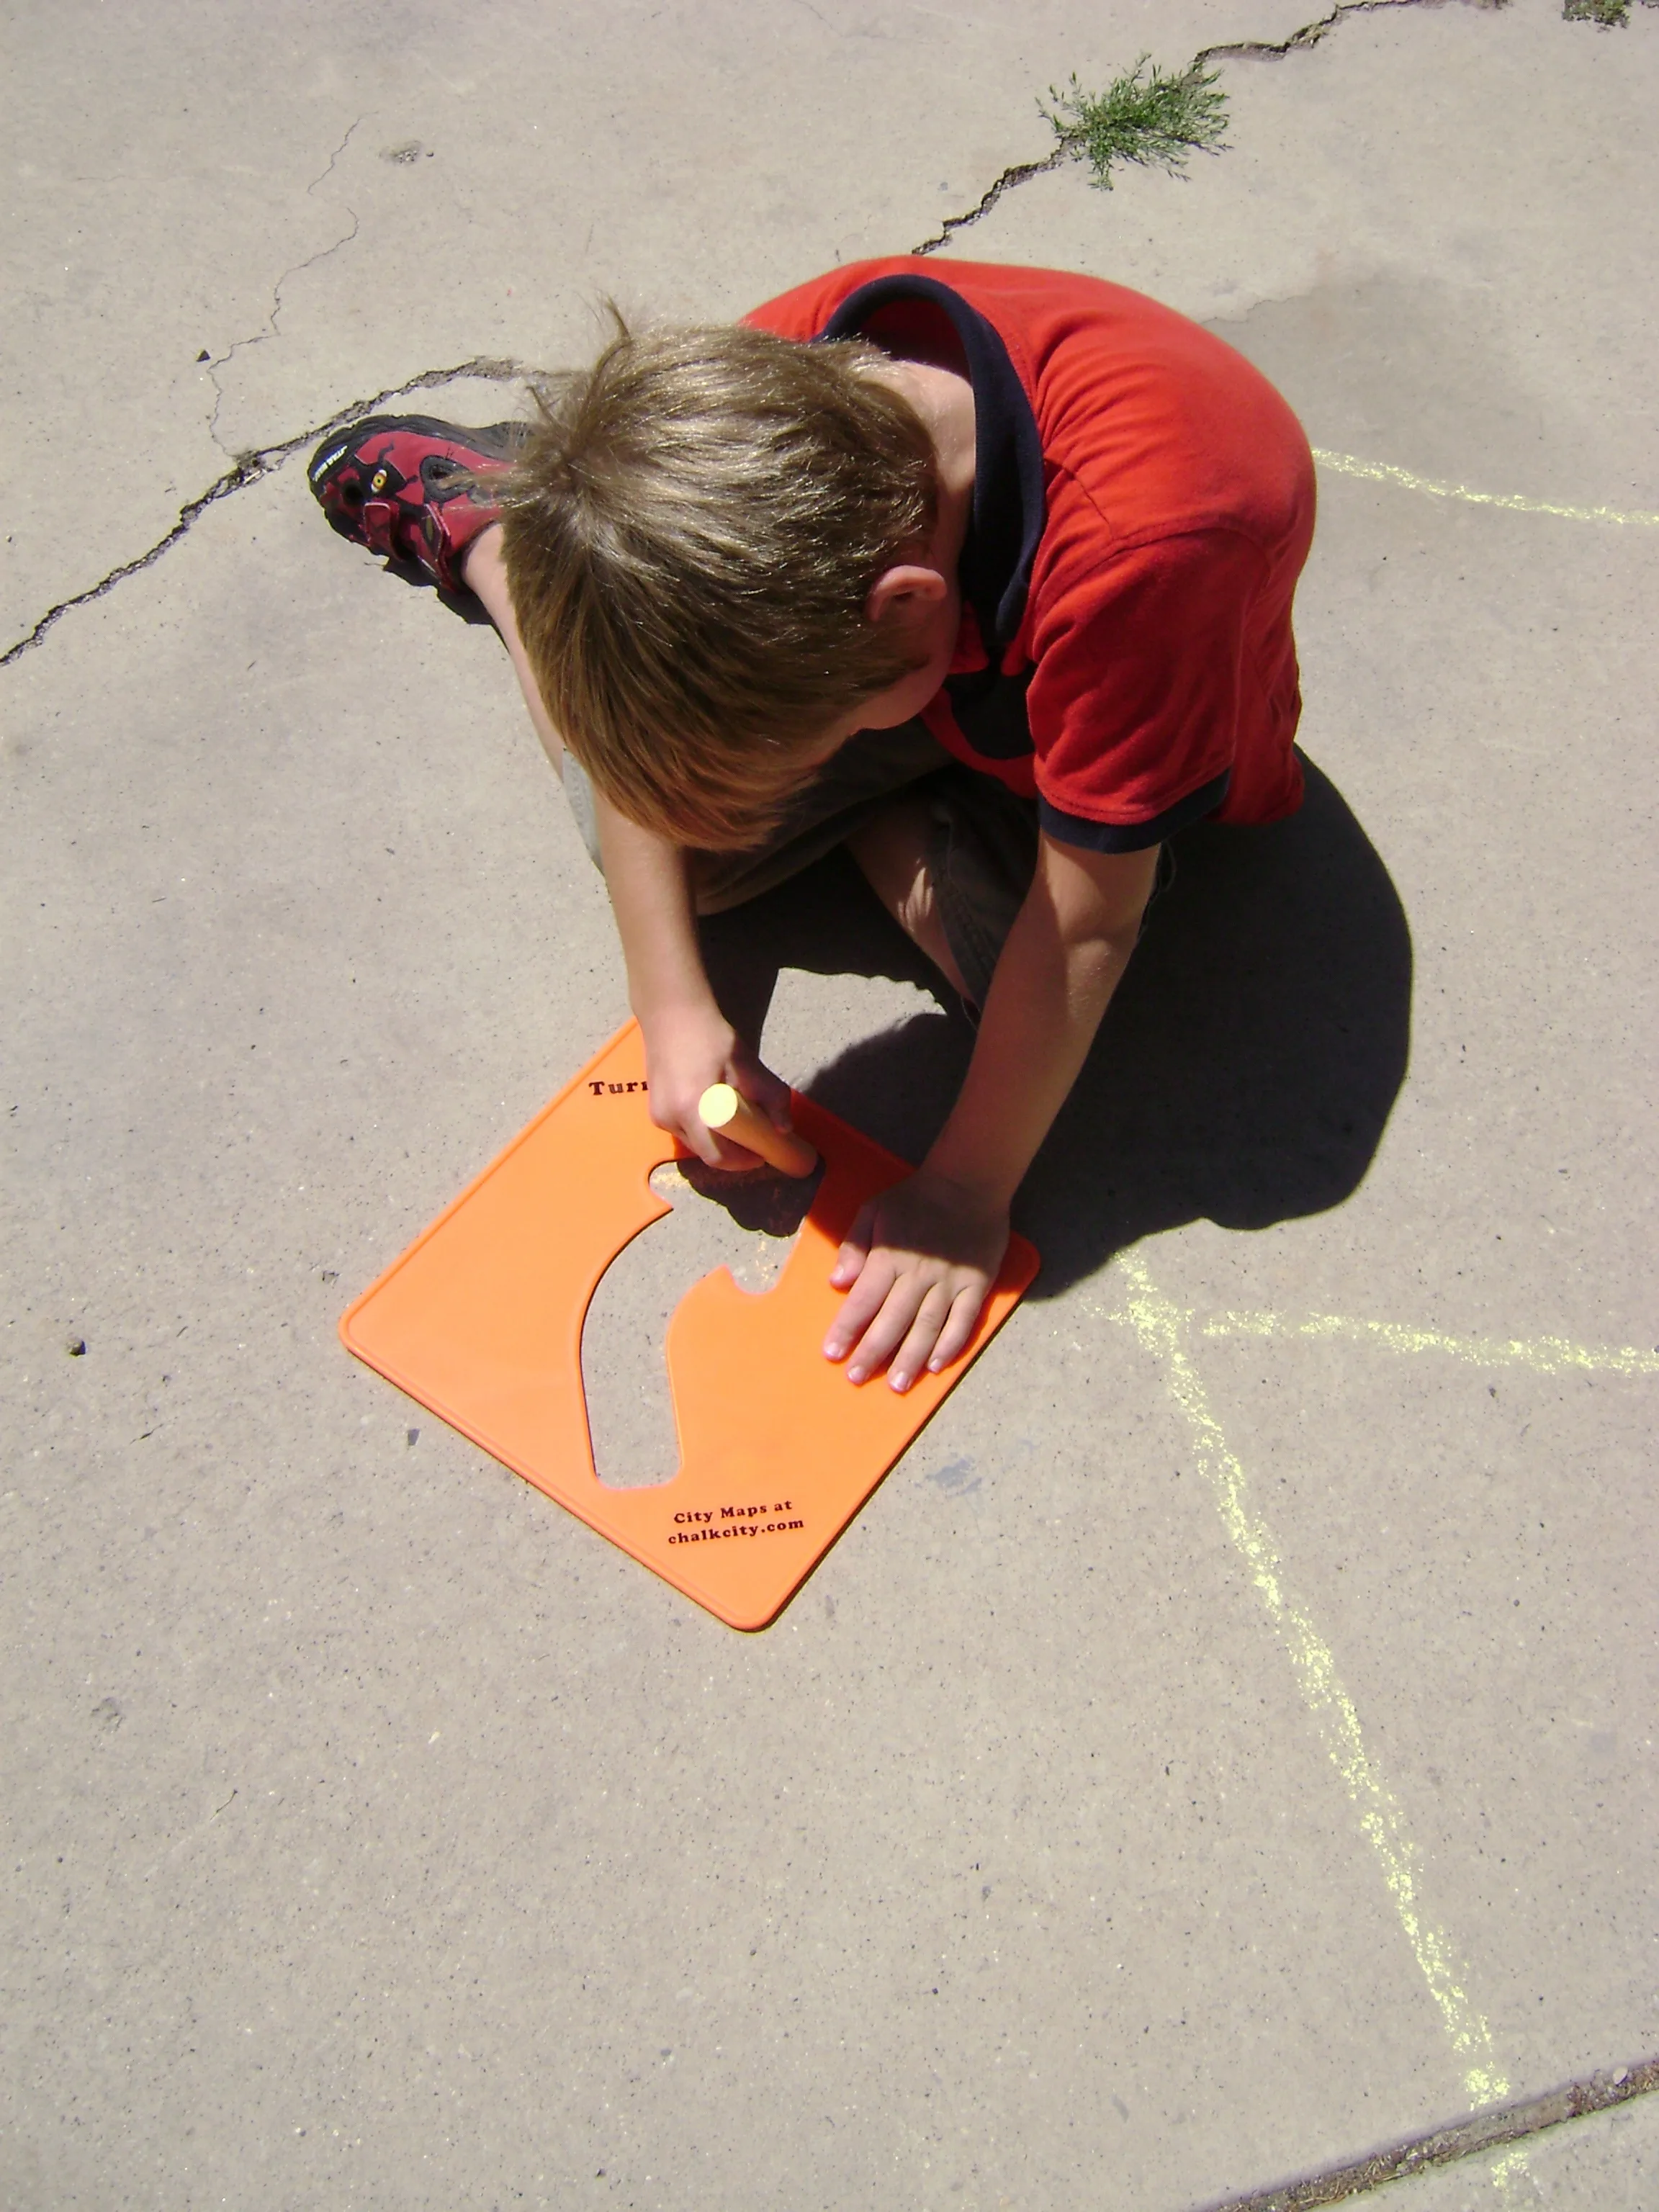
(892, 850)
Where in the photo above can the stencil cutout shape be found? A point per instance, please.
(481, 1321)
(715, 1223)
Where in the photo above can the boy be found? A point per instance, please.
(986, 572)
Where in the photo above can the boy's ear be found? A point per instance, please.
(907, 589)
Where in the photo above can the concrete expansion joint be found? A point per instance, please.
(1263, 49)
(1494, 2130)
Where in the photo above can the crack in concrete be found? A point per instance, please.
(1017, 172)
(1309, 34)
(249, 467)
(273, 320)
(1486, 2131)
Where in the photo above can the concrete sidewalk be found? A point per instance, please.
(1224, 1746)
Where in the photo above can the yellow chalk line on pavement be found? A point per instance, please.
(1164, 1328)
(1350, 464)
(1544, 1355)
(1510, 2165)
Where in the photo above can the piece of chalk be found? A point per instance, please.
(729, 1113)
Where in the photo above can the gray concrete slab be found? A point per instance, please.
(1224, 1744)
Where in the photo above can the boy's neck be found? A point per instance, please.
(943, 399)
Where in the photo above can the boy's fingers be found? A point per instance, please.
(886, 1332)
(697, 1138)
(769, 1092)
(704, 1142)
(852, 1323)
(912, 1355)
(888, 1327)
(735, 1158)
(710, 1147)
(855, 1248)
(863, 1303)
(955, 1336)
(776, 1106)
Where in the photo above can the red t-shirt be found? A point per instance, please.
(1143, 504)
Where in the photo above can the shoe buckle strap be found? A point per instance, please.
(378, 518)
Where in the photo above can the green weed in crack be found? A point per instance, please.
(1152, 117)
(1309, 34)
(1605, 15)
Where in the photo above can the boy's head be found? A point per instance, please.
(693, 535)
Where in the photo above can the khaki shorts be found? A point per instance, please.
(981, 852)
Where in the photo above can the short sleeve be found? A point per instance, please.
(1141, 658)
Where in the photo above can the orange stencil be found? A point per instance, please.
(481, 1321)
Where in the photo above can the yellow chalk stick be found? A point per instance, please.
(727, 1112)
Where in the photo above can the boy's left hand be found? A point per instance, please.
(917, 1266)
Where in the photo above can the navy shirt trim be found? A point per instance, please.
(1133, 837)
(1009, 507)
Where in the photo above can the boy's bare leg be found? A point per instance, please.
(891, 850)
(484, 572)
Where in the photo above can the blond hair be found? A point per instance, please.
(691, 530)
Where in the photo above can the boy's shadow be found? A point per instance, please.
(1243, 1075)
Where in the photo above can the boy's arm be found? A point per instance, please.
(689, 1043)
(920, 1259)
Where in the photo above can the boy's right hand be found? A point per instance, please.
(686, 1050)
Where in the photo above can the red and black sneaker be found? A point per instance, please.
(407, 487)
